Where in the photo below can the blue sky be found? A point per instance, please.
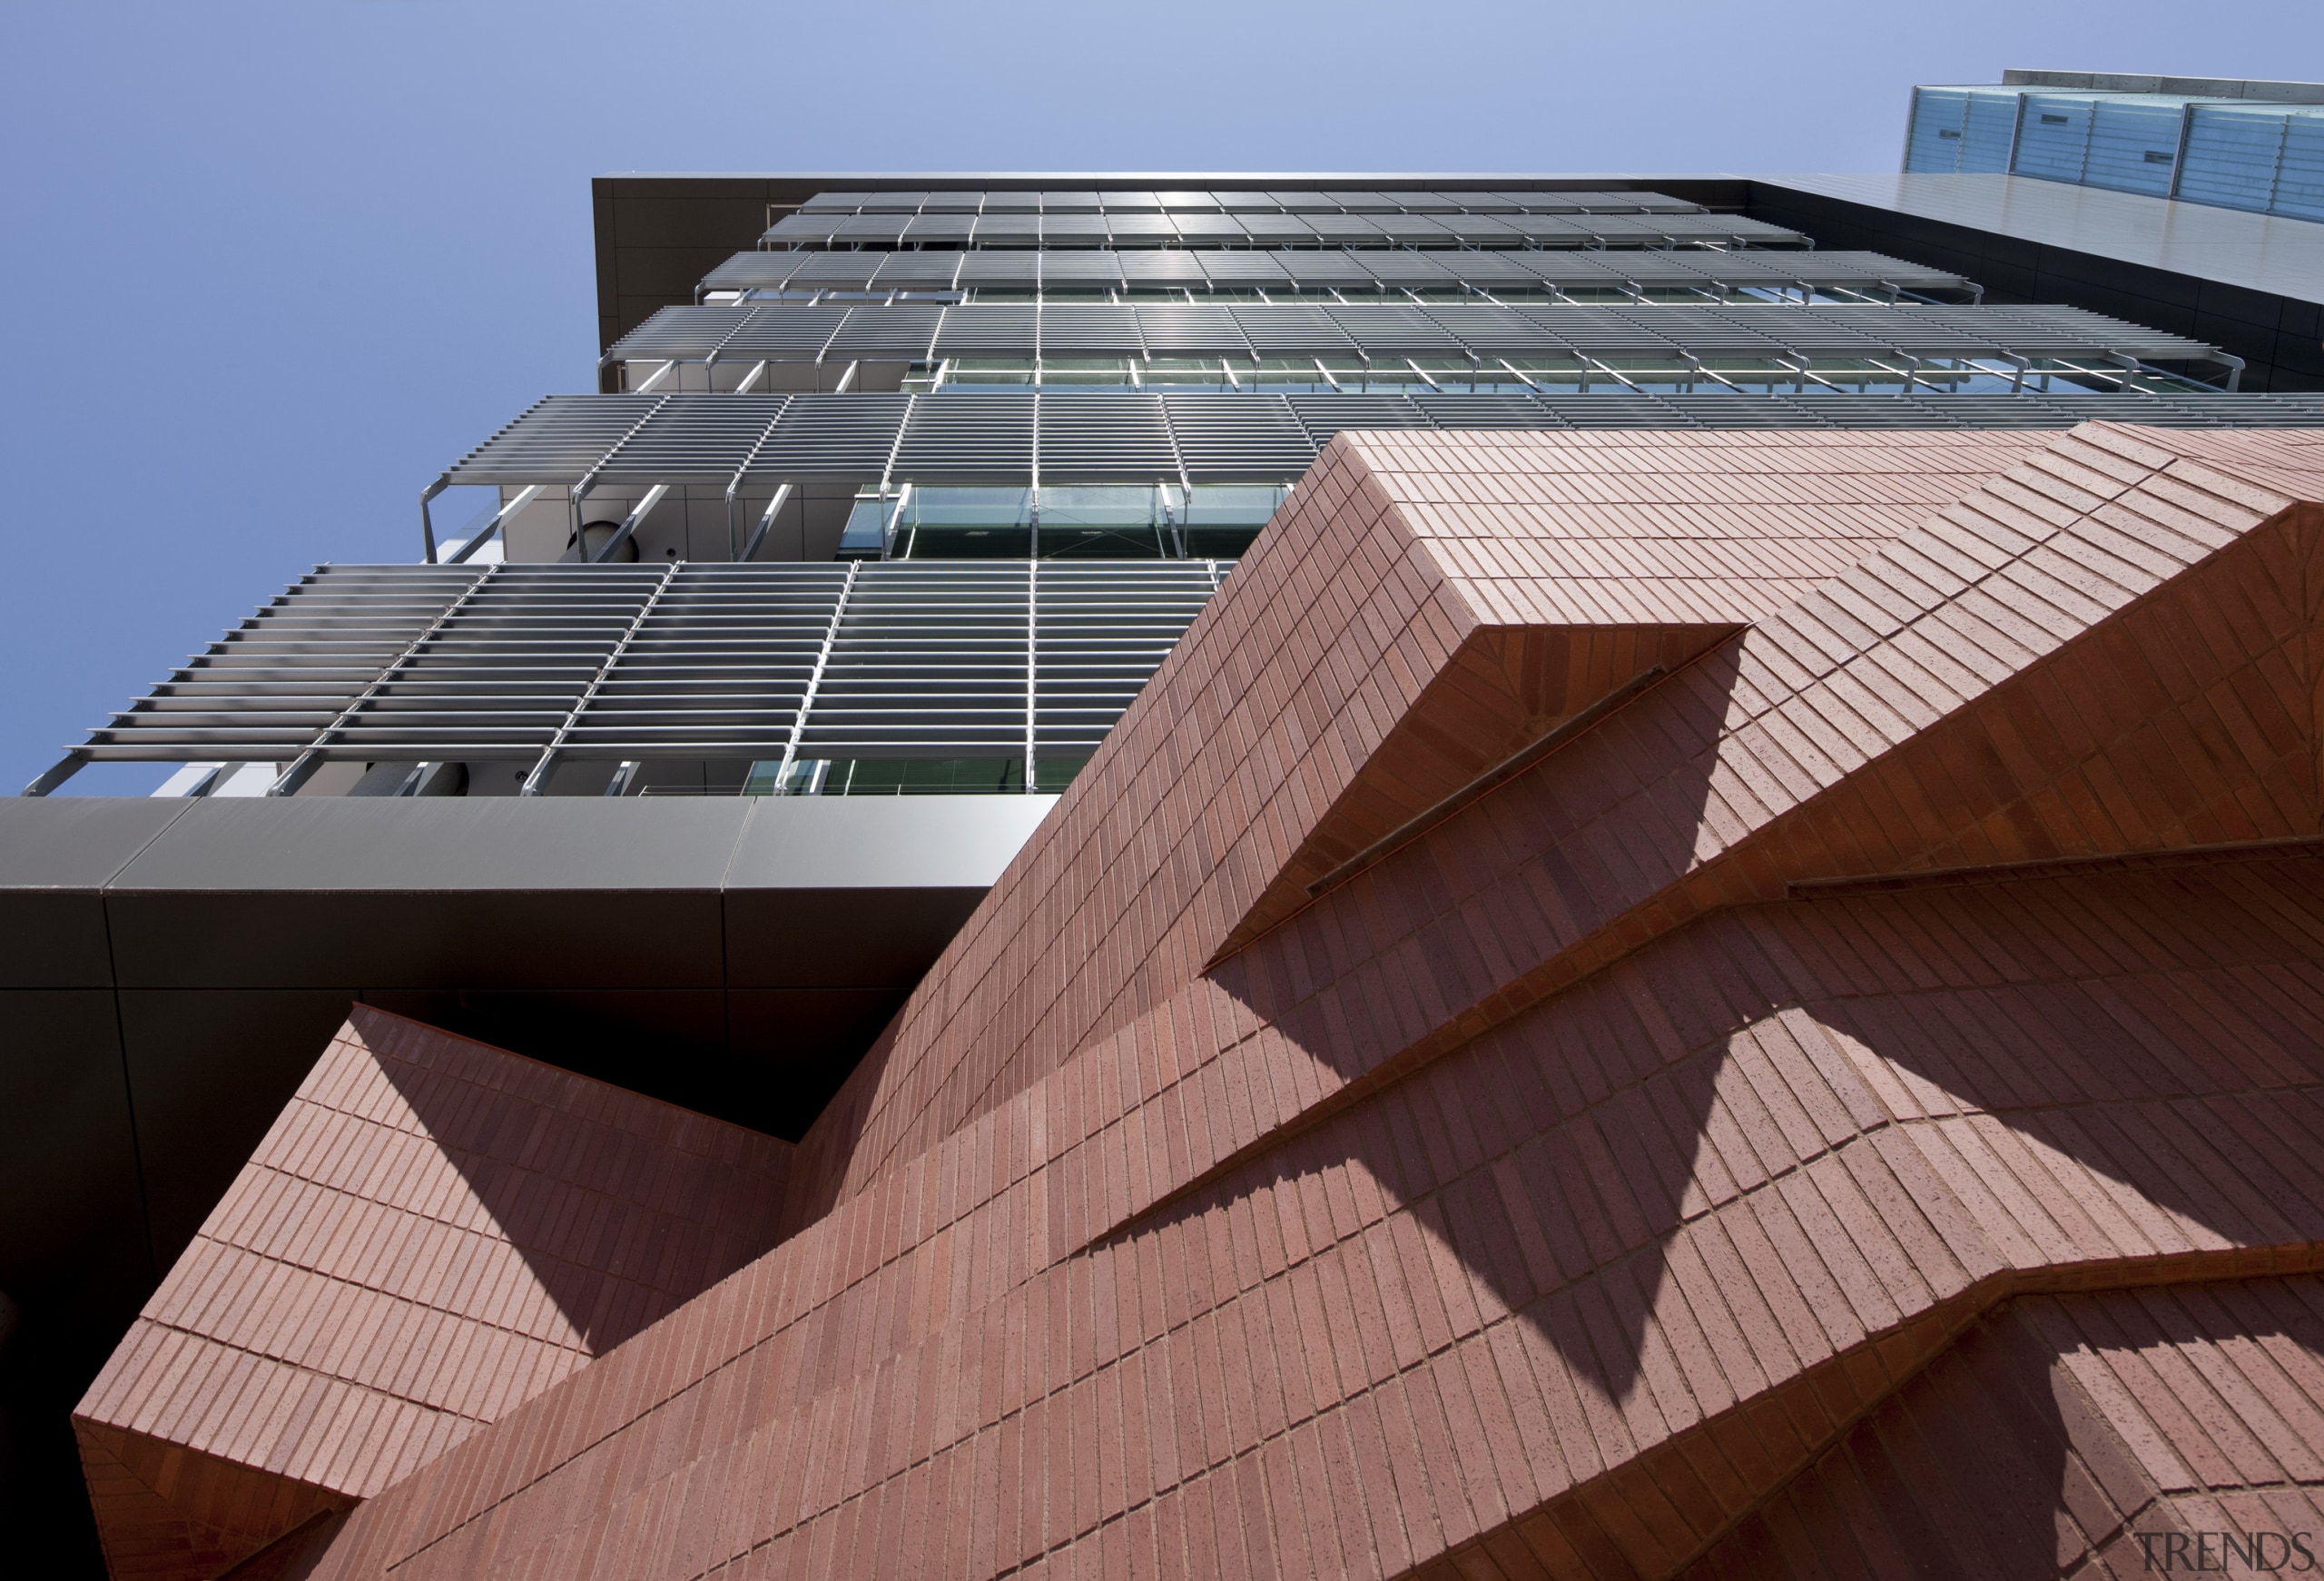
(270, 266)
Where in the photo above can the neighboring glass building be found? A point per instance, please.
(2256, 146)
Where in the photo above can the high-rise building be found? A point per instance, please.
(1256, 875)
(2258, 146)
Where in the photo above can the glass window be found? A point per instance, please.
(957, 524)
(1102, 522)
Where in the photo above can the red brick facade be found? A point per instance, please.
(1848, 1106)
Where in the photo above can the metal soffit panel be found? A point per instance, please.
(915, 333)
(1255, 436)
(615, 664)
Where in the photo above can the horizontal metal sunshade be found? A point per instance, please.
(825, 229)
(1098, 436)
(1209, 438)
(786, 332)
(543, 664)
(1314, 269)
(1134, 201)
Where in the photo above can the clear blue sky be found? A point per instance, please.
(272, 266)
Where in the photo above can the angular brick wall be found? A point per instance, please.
(1560, 1190)
(2158, 1431)
(433, 1233)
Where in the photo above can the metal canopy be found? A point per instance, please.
(1318, 269)
(822, 230)
(911, 333)
(1221, 437)
(545, 663)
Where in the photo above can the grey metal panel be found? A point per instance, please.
(918, 271)
(1210, 230)
(846, 438)
(903, 331)
(1393, 267)
(1623, 410)
(999, 331)
(266, 687)
(1324, 415)
(829, 843)
(967, 438)
(1278, 332)
(1249, 267)
(1073, 330)
(754, 271)
(448, 844)
(1141, 229)
(929, 661)
(680, 332)
(1394, 329)
(1273, 230)
(1752, 331)
(1191, 331)
(1493, 329)
(724, 657)
(558, 436)
(832, 271)
(1485, 411)
(1355, 269)
(1102, 630)
(787, 331)
(494, 679)
(62, 842)
(1002, 269)
(939, 230)
(1081, 270)
(1605, 330)
(1228, 438)
(1176, 267)
(1009, 229)
(884, 229)
(55, 855)
(1102, 436)
(1073, 230)
(691, 438)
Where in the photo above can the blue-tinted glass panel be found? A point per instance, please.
(1991, 128)
(2133, 145)
(2231, 155)
(2300, 188)
(2053, 137)
(1934, 141)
